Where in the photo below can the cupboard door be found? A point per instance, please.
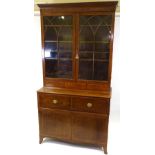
(94, 46)
(58, 46)
(89, 128)
(55, 123)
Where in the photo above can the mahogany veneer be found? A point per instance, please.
(77, 45)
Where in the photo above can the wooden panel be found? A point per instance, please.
(78, 7)
(54, 101)
(89, 128)
(55, 123)
(96, 105)
(98, 86)
(75, 92)
(81, 4)
(36, 8)
(64, 83)
(81, 84)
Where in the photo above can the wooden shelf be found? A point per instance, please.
(58, 59)
(69, 59)
(103, 42)
(100, 60)
(65, 51)
(60, 51)
(92, 52)
(95, 25)
(106, 42)
(58, 25)
(49, 58)
(48, 41)
(72, 25)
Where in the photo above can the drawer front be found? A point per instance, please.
(54, 101)
(95, 105)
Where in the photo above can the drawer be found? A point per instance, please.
(95, 105)
(54, 101)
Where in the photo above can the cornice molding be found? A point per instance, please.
(37, 13)
(36, 8)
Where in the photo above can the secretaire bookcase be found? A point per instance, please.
(77, 45)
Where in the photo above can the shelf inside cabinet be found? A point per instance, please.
(58, 25)
(100, 60)
(93, 52)
(96, 25)
(62, 59)
(102, 42)
(63, 41)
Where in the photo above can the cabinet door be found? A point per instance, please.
(88, 128)
(55, 123)
(94, 46)
(58, 46)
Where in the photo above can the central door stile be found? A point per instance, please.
(74, 47)
(76, 58)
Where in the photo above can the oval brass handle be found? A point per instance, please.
(89, 105)
(55, 101)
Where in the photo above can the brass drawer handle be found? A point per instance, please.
(55, 101)
(89, 105)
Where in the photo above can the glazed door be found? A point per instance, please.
(77, 47)
(88, 128)
(55, 123)
(94, 46)
(58, 45)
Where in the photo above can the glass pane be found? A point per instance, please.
(100, 70)
(57, 20)
(65, 34)
(86, 55)
(58, 46)
(95, 34)
(85, 69)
